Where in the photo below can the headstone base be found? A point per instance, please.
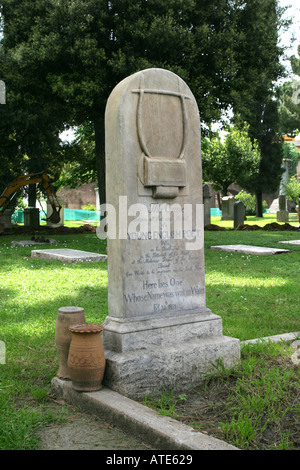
(282, 216)
(145, 355)
(177, 366)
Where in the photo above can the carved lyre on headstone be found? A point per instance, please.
(163, 143)
(158, 331)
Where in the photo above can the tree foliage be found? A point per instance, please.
(289, 98)
(292, 190)
(234, 161)
(62, 58)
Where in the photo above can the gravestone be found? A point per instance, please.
(228, 207)
(6, 218)
(32, 217)
(206, 202)
(158, 332)
(239, 214)
(282, 214)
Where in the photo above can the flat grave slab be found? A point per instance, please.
(249, 249)
(291, 242)
(67, 255)
(32, 243)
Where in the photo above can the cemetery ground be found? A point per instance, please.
(255, 405)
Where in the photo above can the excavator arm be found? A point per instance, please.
(32, 178)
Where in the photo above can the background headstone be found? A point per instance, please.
(206, 202)
(158, 332)
(239, 214)
(283, 213)
(6, 218)
(228, 207)
(32, 217)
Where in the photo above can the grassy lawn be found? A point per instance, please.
(256, 296)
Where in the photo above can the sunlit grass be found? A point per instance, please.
(255, 296)
(253, 220)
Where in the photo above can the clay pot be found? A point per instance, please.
(66, 317)
(86, 357)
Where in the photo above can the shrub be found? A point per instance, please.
(249, 202)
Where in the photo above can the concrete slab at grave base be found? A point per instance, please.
(249, 249)
(68, 256)
(291, 242)
(158, 431)
(51, 241)
(178, 366)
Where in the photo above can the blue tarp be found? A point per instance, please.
(69, 214)
(76, 214)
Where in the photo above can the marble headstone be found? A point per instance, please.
(158, 331)
(283, 213)
(228, 207)
(239, 214)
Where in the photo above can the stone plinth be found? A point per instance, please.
(249, 249)
(68, 256)
(159, 331)
(282, 216)
(228, 207)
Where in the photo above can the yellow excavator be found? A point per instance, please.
(24, 180)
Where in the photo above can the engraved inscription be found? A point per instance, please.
(162, 279)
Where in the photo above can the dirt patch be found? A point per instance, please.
(208, 406)
(87, 432)
(274, 226)
(63, 230)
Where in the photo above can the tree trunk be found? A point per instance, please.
(259, 208)
(32, 195)
(100, 155)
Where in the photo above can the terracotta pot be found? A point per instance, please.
(86, 357)
(66, 317)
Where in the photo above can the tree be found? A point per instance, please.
(31, 119)
(271, 147)
(291, 153)
(292, 190)
(289, 97)
(254, 96)
(80, 50)
(289, 109)
(295, 63)
(234, 161)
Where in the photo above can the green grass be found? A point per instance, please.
(31, 291)
(253, 220)
(253, 406)
(256, 296)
